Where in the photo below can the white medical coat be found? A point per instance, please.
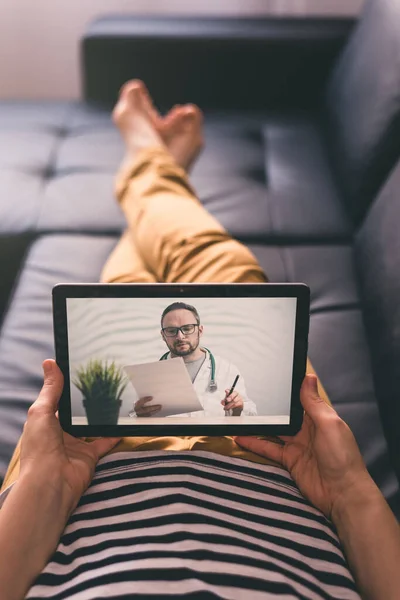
(225, 374)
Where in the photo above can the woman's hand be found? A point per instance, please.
(46, 448)
(323, 458)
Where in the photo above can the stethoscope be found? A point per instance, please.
(212, 384)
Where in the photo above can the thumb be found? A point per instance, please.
(310, 399)
(52, 386)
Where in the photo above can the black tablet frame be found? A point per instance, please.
(181, 290)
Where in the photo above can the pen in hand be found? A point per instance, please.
(232, 388)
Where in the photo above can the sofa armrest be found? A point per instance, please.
(218, 63)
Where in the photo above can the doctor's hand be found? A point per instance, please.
(66, 462)
(142, 409)
(234, 402)
(323, 457)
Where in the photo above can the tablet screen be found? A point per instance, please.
(156, 360)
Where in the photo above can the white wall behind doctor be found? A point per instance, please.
(255, 334)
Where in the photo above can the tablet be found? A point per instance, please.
(181, 359)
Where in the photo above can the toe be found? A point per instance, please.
(172, 114)
(191, 117)
(193, 111)
(130, 99)
(146, 94)
(148, 104)
(132, 84)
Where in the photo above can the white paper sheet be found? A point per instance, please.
(169, 383)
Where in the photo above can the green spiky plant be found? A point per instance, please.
(102, 385)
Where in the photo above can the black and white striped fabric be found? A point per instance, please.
(196, 525)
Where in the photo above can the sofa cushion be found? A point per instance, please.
(265, 177)
(338, 350)
(262, 176)
(27, 328)
(377, 251)
(363, 105)
(42, 116)
(27, 333)
(327, 270)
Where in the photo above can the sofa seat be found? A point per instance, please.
(27, 331)
(263, 176)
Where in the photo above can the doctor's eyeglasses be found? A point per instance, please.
(185, 330)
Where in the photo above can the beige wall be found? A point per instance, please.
(39, 38)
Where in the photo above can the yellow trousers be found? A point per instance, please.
(171, 238)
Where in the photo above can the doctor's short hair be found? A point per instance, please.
(180, 306)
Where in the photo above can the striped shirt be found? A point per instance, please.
(166, 524)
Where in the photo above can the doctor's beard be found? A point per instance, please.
(185, 350)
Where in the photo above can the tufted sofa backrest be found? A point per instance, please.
(377, 255)
(363, 106)
(216, 62)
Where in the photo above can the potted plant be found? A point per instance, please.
(102, 386)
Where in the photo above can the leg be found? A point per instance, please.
(177, 239)
(125, 265)
(181, 132)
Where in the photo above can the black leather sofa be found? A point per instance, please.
(302, 122)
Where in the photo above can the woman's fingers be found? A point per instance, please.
(266, 448)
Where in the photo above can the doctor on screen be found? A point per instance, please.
(212, 376)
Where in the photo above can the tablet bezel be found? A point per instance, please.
(300, 291)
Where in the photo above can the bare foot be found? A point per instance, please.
(133, 115)
(180, 130)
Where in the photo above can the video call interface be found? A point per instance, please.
(186, 360)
